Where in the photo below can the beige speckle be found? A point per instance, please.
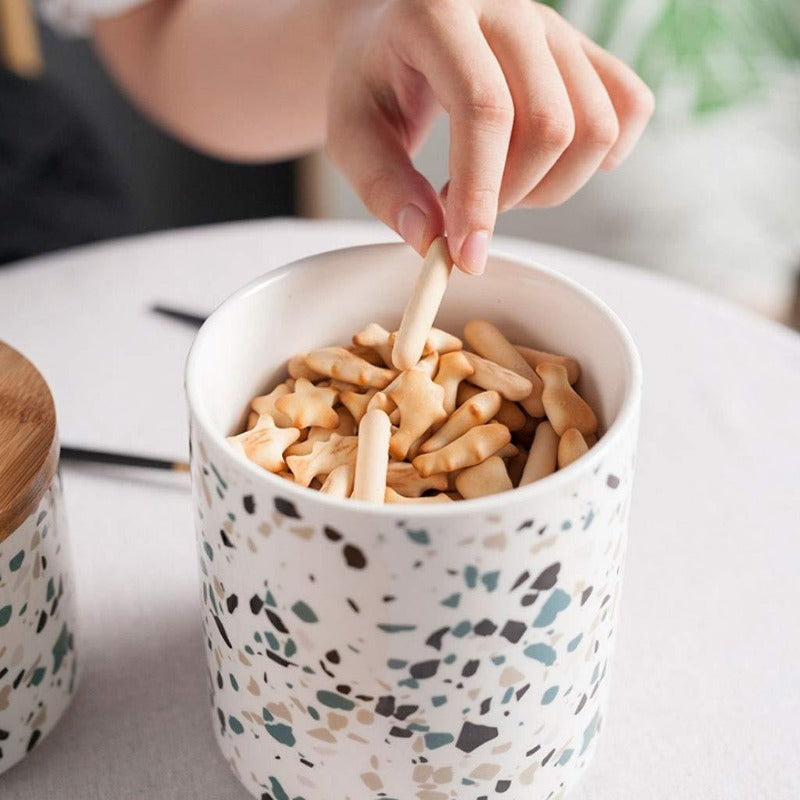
(365, 717)
(251, 545)
(298, 703)
(252, 687)
(244, 659)
(372, 781)
(220, 592)
(277, 518)
(323, 734)
(374, 762)
(227, 526)
(280, 710)
(474, 693)
(485, 772)
(356, 738)
(4, 693)
(16, 656)
(501, 748)
(496, 541)
(419, 745)
(422, 773)
(428, 795)
(526, 778)
(35, 540)
(493, 518)
(265, 529)
(336, 721)
(510, 676)
(544, 544)
(303, 531)
(443, 775)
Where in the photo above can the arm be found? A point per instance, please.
(244, 80)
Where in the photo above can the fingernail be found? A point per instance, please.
(474, 252)
(411, 224)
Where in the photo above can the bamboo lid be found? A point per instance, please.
(28, 440)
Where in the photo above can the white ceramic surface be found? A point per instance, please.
(357, 649)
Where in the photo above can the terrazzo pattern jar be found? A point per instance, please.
(364, 652)
(38, 666)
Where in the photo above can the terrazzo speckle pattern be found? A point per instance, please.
(38, 666)
(363, 656)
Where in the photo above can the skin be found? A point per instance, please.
(535, 107)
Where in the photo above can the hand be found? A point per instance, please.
(535, 109)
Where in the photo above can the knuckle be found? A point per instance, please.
(553, 131)
(489, 106)
(375, 188)
(599, 131)
(636, 100)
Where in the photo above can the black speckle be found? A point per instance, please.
(547, 578)
(473, 736)
(389, 598)
(502, 786)
(385, 706)
(519, 581)
(513, 631)
(527, 524)
(343, 688)
(547, 757)
(521, 691)
(533, 750)
(332, 533)
(231, 603)
(470, 668)
(365, 697)
(354, 557)
(222, 632)
(401, 733)
(581, 705)
(42, 622)
(586, 594)
(219, 679)
(403, 712)
(353, 605)
(286, 507)
(486, 705)
(326, 670)
(612, 481)
(278, 660)
(333, 656)
(424, 669)
(35, 736)
(307, 763)
(435, 639)
(256, 604)
(221, 719)
(529, 599)
(276, 621)
(225, 540)
(605, 600)
(249, 503)
(485, 628)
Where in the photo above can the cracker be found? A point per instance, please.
(372, 456)
(536, 357)
(323, 458)
(542, 458)
(488, 477)
(265, 443)
(403, 478)
(571, 447)
(476, 445)
(509, 414)
(309, 405)
(564, 407)
(342, 365)
(391, 496)
(453, 368)
(489, 375)
(420, 402)
(339, 482)
(477, 410)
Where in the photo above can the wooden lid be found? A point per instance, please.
(28, 440)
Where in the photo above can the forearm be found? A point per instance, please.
(244, 80)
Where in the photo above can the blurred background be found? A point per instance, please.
(711, 196)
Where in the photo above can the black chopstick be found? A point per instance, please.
(180, 315)
(120, 459)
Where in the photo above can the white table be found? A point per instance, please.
(705, 700)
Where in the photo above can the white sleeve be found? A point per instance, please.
(73, 16)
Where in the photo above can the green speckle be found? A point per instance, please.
(439, 700)
(549, 695)
(436, 740)
(270, 600)
(420, 536)
(387, 628)
(490, 579)
(265, 712)
(281, 733)
(595, 673)
(418, 728)
(508, 695)
(291, 648)
(396, 663)
(453, 600)
(304, 611)
(411, 683)
(574, 642)
(219, 492)
(219, 477)
(59, 648)
(308, 670)
(277, 789)
(231, 516)
(213, 602)
(51, 590)
(272, 640)
(234, 682)
(589, 733)
(565, 756)
(471, 576)
(541, 652)
(334, 700)
(554, 605)
(462, 629)
(249, 650)
(209, 551)
(257, 636)
(498, 660)
(586, 523)
(449, 659)
(467, 782)
(566, 525)
(313, 713)
(235, 725)
(16, 561)
(37, 676)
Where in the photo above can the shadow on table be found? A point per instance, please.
(139, 725)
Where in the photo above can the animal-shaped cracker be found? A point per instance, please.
(323, 458)
(489, 342)
(297, 368)
(509, 414)
(378, 339)
(420, 402)
(356, 402)
(403, 478)
(453, 368)
(422, 306)
(265, 404)
(391, 496)
(341, 364)
(488, 477)
(542, 456)
(507, 450)
(264, 444)
(489, 375)
(428, 364)
(476, 411)
(309, 405)
(564, 407)
(536, 357)
(571, 447)
(372, 456)
(367, 353)
(442, 342)
(339, 482)
(476, 445)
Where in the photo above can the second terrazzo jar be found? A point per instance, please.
(358, 652)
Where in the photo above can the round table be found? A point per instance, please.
(705, 700)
